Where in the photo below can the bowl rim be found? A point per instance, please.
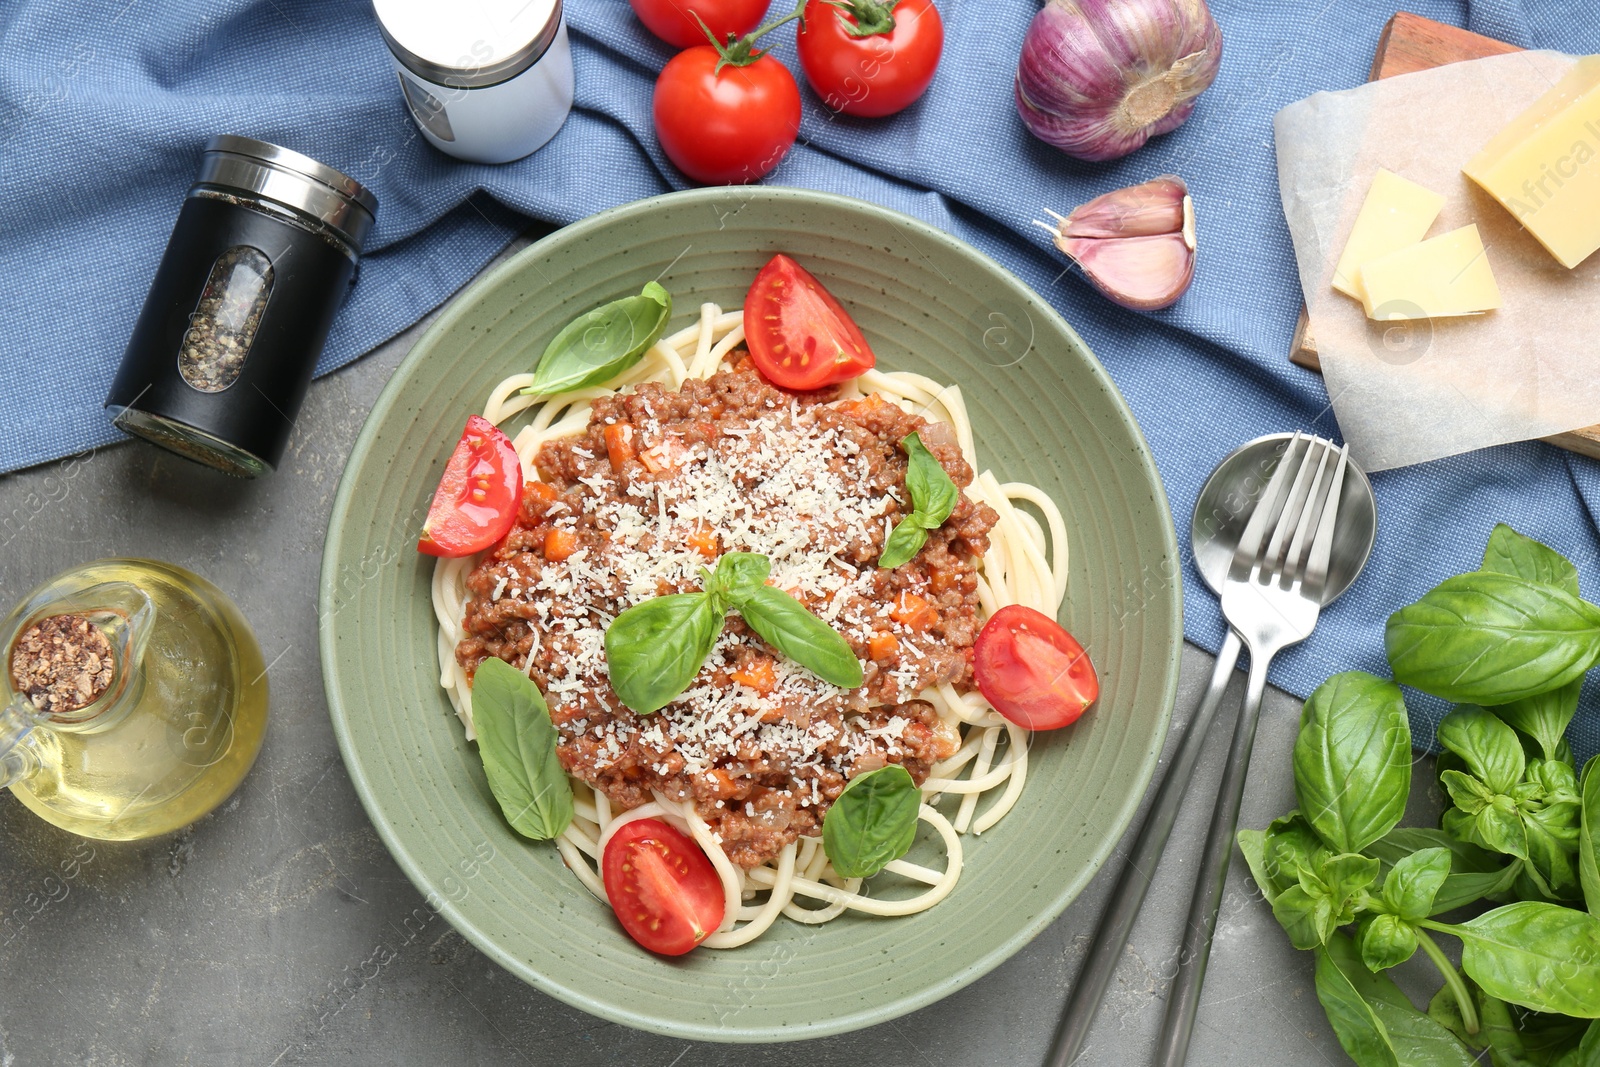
(460, 305)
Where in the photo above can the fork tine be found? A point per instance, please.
(1272, 564)
(1316, 578)
(1294, 563)
(1255, 530)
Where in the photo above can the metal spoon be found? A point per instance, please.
(1221, 512)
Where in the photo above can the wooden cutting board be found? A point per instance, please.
(1411, 43)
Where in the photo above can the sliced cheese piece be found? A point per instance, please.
(1545, 166)
(1396, 214)
(1446, 275)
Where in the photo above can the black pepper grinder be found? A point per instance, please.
(259, 260)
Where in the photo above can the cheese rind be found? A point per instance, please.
(1544, 167)
(1395, 214)
(1447, 275)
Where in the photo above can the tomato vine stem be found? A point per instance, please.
(742, 51)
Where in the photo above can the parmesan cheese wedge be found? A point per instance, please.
(1396, 214)
(1545, 166)
(1446, 275)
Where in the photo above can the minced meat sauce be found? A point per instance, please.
(658, 486)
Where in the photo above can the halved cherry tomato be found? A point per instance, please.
(799, 336)
(1033, 671)
(674, 22)
(478, 497)
(663, 888)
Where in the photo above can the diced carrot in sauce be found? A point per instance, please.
(703, 540)
(559, 544)
(619, 445)
(722, 783)
(943, 579)
(658, 458)
(882, 646)
(913, 612)
(543, 491)
(757, 673)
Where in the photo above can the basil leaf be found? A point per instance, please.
(600, 344)
(1403, 840)
(1292, 846)
(1497, 1029)
(1308, 918)
(1545, 1038)
(1277, 854)
(1374, 1022)
(1509, 552)
(1489, 747)
(1459, 890)
(1542, 956)
(1373, 1019)
(903, 543)
(517, 742)
(933, 497)
(1466, 792)
(1352, 760)
(1545, 716)
(1418, 1040)
(785, 624)
(1411, 884)
(1499, 827)
(1326, 897)
(1589, 827)
(873, 822)
(1386, 941)
(1552, 840)
(933, 494)
(1252, 846)
(655, 648)
(737, 575)
(1487, 638)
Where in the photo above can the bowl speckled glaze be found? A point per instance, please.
(1043, 410)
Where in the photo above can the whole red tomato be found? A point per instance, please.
(729, 126)
(674, 21)
(876, 74)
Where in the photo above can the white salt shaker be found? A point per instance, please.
(487, 81)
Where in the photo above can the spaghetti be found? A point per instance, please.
(1026, 563)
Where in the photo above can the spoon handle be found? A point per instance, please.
(1183, 1003)
(1100, 964)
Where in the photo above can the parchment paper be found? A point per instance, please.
(1407, 392)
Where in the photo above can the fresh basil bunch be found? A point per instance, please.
(1510, 642)
(933, 497)
(655, 648)
(600, 344)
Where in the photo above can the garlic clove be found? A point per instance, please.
(1142, 273)
(1136, 245)
(1155, 207)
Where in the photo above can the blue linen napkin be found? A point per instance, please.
(105, 104)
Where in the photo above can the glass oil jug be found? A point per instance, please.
(133, 699)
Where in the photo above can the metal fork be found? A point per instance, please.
(1271, 598)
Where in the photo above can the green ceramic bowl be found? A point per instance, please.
(1044, 411)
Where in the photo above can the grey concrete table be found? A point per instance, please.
(274, 931)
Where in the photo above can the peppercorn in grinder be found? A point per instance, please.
(261, 256)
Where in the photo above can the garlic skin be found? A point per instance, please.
(1136, 245)
(1098, 78)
